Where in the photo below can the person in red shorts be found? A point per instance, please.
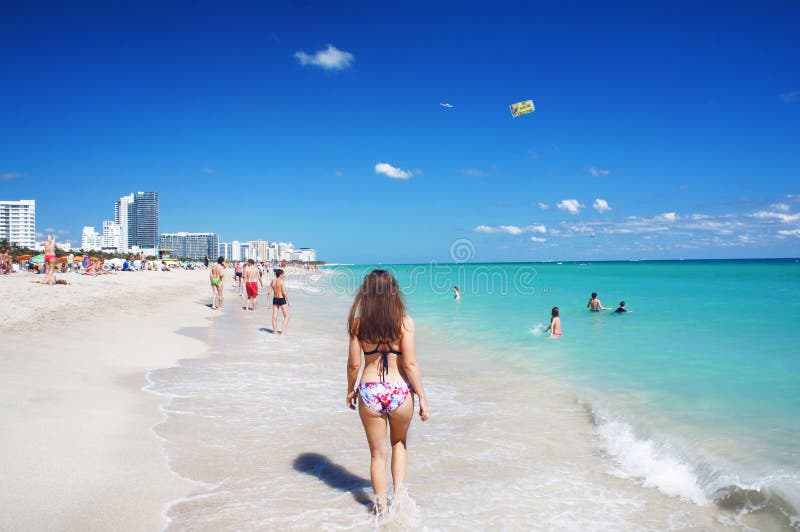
(251, 282)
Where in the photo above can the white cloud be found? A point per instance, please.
(472, 172)
(8, 176)
(536, 229)
(390, 171)
(789, 232)
(543, 206)
(329, 59)
(601, 205)
(598, 172)
(511, 229)
(571, 206)
(666, 217)
(538, 239)
(790, 97)
(782, 216)
(780, 207)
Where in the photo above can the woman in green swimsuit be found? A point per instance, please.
(216, 276)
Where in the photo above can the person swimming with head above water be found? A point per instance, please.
(379, 326)
(622, 308)
(594, 304)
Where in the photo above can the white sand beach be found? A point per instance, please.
(78, 452)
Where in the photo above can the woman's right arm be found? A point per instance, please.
(353, 366)
(411, 367)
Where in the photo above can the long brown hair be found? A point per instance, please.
(378, 310)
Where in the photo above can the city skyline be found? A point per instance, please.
(660, 130)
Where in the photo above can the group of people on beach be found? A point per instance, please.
(250, 276)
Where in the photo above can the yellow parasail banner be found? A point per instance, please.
(521, 108)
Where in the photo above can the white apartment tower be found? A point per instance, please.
(122, 209)
(112, 236)
(91, 240)
(18, 222)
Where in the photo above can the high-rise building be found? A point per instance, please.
(137, 216)
(225, 250)
(122, 211)
(18, 222)
(236, 250)
(259, 250)
(112, 237)
(285, 251)
(91, 240)
(143, 232)
(304, 255)
(191, 245)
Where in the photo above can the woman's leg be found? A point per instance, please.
(399, 421)
(375, 428)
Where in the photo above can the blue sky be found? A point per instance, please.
(665, 130)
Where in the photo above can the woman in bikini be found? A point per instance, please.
(378, 326)
(50, 260)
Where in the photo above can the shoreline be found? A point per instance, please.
(81, 452)
(236, 399)
(180, 396)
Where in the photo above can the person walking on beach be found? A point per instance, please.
(279, 301)
(555, 324)
(379, 326)
(237, 272)
(594, 304)
(216, 276)
(50, 260)
(251, 281)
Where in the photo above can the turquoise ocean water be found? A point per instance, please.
(695, 392)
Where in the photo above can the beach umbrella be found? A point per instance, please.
(23, 257)
(61, 259)
(38, 259)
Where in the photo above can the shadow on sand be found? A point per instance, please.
(334, 476)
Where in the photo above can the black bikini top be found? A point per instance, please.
(384, 367)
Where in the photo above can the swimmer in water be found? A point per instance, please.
(622, 308)
(555, 324)
(594, 304)
(456, 293)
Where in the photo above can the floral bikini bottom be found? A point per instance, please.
(383, 397)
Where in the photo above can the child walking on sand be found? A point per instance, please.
(555, 324)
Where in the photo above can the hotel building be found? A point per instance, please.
(18, 222)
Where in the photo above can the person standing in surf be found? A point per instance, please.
(555, 324)
(594, 304)
(380, 328)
